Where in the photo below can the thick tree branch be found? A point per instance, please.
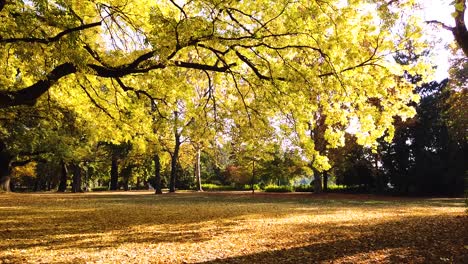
(204, 67)
(20, 163)
(29, 95)
(116, 72)
(31, 156)
(52, 39)
(180, 8)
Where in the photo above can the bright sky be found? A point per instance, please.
(440, 10)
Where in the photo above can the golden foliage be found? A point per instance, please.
(28, 170)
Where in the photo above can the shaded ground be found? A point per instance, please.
(139, 227)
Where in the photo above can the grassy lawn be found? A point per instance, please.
(139, 227)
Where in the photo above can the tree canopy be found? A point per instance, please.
(157, 71)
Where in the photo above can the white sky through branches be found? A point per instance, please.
(439, 10)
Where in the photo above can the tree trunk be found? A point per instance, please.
(157, 170)
(460, 31)
(252, 183)
(325, 181)
(5, 183)
(174, 158)
(125, 184)
(87, 174)
(5, 169)
(317, 182)
(198, 171)
(126, 173)
(38, 184)
(137, 184)
(175, 155)
(63, 177)
(114, 173)
(76, 185)
(48, 182)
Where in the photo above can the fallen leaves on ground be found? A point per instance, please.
(139, 227)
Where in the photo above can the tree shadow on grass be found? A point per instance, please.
(107, 221)
(427, 239)
(12, 259)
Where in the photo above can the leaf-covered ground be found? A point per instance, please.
(139, 227)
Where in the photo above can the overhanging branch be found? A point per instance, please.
(440, 24)
(52, 39)
(204, 67)
(29, 95)
(460, 32)
(256, 70)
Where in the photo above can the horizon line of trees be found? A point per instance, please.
(426, 157)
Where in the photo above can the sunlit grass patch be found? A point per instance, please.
(139, 227)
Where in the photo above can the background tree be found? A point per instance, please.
(424, 159)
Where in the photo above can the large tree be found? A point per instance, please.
(322, 64)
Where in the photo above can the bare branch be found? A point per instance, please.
(180, 8)
(440, 24)
(94, 101)
(256, 70)
(138, 92)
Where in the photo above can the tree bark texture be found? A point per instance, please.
(460, 31)
(317, 181)
(325, 181)
(198, 171)
(76, 185)
(63, 177)
(126, 173)
(174, 158)
(175, 154)
(157, 170)
(114, 173)
(5, 168)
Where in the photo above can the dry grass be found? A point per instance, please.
(139, 227)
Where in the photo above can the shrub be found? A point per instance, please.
(338, 187)
(304, 188)
(214, 187)
(248, 187)
(282, 188)
(100, 189)
(347, 189)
